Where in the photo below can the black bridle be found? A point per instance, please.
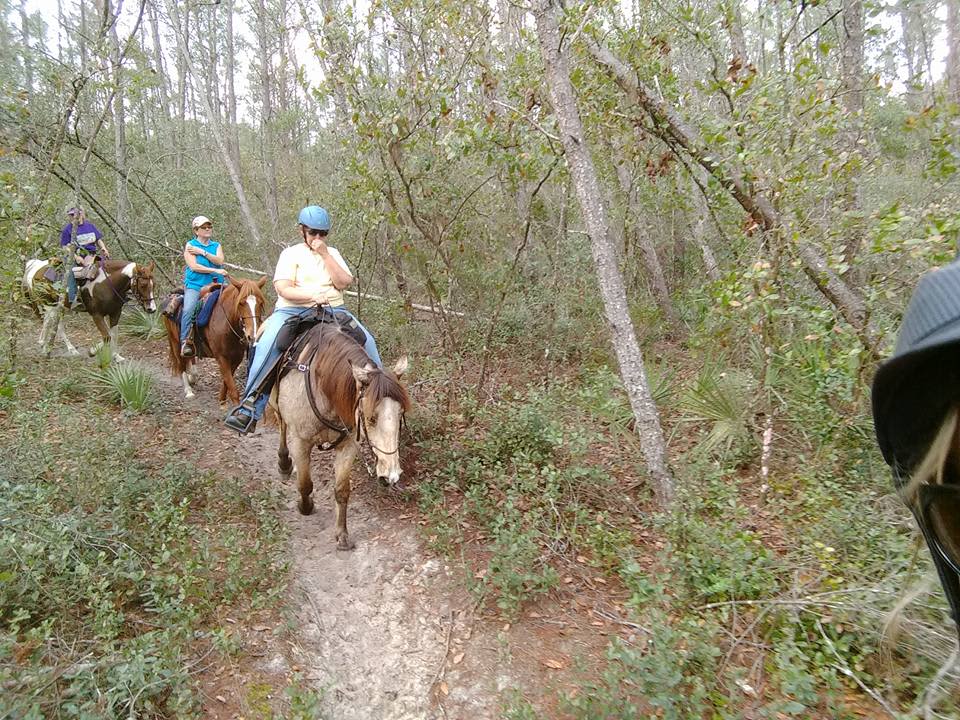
(343, 431)
(241, 335)
(361, 421)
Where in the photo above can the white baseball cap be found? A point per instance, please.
(200, 220)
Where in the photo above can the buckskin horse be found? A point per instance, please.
(103, 297)
(336, 396)
(232, 329)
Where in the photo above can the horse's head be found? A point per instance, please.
(249, 306)
(383, 402)
(142, 285)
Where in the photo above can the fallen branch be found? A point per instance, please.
(365, 296)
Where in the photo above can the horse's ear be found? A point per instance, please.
(151, 266)
(401, 367)
(262, 281)
(233, 281)
(362, 374)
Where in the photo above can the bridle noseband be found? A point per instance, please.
(361, 422)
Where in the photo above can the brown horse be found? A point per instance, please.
(232, 329)
(103, 297)
(338, 397)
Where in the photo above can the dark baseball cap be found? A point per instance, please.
(917, 386)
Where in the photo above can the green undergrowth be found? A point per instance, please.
(769, 601)
(118, 566)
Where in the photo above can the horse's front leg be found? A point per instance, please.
(228, 388)
(342, 464)
(300, 449)
(101, 324)
(188, 376)
(62, 335)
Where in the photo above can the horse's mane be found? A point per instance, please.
(246, 289)
(111, 266)
(336, 353)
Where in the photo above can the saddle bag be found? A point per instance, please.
(172, 304)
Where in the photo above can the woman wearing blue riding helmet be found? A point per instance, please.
(308, 274)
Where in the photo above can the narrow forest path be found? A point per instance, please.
(387, 631)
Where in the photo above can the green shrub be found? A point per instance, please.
(136, 322)
(128, 384)
(112, 569)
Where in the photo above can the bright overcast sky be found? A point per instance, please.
(889, 21)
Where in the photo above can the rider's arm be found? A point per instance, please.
(339, 273)
(190, 259)
(216, 258)
(288, 290)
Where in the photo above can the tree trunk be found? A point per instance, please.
(852, 87)
(217, 131)
(160, 69)
(119, 126)
(953, 51)
(710, 265)
(231, 71)
(648, 253)
(608, 273)
(267, 144)
(27, 52)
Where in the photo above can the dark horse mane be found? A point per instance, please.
(336, 352)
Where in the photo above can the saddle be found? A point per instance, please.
(173, 309)
(294, 335)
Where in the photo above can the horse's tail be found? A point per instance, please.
(177, 365)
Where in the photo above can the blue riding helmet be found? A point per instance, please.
(314, 216)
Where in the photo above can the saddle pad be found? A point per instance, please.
(206, 310)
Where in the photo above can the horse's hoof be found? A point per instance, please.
(305, 508)
(119, 358)
(345, 543)
(189, 396)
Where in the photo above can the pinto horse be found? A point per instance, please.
(231, 331)
(336, 396)
(103, 297)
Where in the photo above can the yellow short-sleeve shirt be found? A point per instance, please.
(307, 270)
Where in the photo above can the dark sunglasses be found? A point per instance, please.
(314, 233)
(206, 226)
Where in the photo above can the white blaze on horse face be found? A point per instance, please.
(252, 304)
(384, 437)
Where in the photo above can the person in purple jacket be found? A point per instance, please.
(81, 240)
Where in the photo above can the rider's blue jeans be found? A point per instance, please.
(265, 354)
(190, 299)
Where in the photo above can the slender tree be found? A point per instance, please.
(614, 296)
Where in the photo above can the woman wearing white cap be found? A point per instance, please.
(204, 258)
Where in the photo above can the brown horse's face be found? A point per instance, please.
(142, 285)
(382, 421)
(250, 307)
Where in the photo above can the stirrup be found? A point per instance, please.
(187, 350)
(240, 421)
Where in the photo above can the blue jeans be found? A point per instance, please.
(265, 353)
(190, 299)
